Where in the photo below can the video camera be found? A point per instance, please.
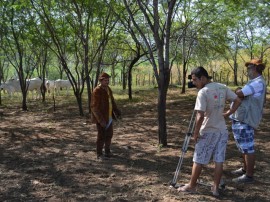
(190, 83)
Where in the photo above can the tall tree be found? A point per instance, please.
(133, 50)
(16, 23)
(158, 17)
(68, 39)
(199, 33)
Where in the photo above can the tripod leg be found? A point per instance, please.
(184, 148)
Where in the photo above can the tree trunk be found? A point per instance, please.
(24, 97)
(88, 86)
(113, 75)
(235, 67)
(162, 96)
(184, 78)
(87, 77)
(228, 76)
(179, 74)
(79, 102)
(124, 79)
(130, 83)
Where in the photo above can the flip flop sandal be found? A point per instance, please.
(215, 193)
(185, 189)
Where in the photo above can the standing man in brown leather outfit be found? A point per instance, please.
(103, 109)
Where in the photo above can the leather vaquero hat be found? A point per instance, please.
(257, 62)
(103, 75)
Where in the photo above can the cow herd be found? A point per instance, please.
(34, 85)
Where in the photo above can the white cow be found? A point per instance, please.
(60, 84)
(49, 86)
(13, 85)
(34, 85)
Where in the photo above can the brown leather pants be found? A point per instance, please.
(104, 137)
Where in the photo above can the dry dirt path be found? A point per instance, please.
(46, 156)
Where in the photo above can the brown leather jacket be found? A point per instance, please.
(100, 105)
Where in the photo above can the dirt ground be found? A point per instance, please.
(50, 156)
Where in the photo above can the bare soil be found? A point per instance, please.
(48, 155)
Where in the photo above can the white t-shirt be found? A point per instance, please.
(211, 100)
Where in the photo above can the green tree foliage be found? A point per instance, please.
(17, 44)
(84, 37)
